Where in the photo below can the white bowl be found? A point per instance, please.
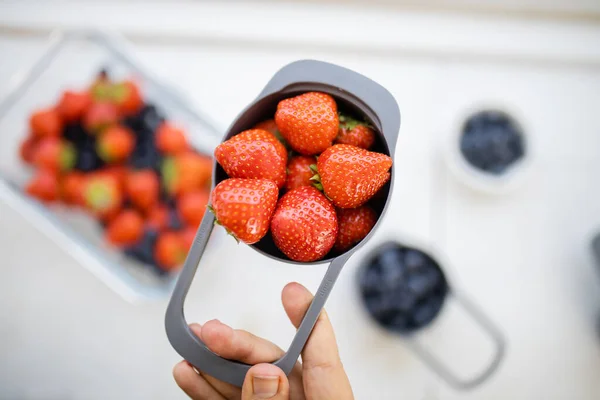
(475, 178)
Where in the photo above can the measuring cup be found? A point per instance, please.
(352, 92)
(449, 293)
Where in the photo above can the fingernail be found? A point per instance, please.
(265, 387)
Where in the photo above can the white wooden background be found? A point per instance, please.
(522, 257)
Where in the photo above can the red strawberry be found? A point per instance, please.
(100, 116)
(354, 225)
(125, 229)
(102, 195)
(188, 234)
(46, 122)
(158, 217)
(253, 154)
(299, 172)
(142, 188)
(304, 225)
(55, 154)
(191, 206)
(117, 172)
(270, 126)
(355, 133)
(244, 207)
(308, 122)
(186, 172)
(72, 188)
(44, 186)
(73, 105)
(115, 144)
(128, 97)
(27, 149)
(170, 250)
(351, 176)
(171, 139)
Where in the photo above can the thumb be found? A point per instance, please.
(265, 381)
(322, 370)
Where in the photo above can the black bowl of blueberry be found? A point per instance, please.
(404, 290)
(489, 149)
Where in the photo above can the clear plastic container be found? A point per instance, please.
(71, 60)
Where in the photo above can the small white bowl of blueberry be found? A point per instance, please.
(489, 150)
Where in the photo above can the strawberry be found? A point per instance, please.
(158, 217)
(308, 122)
(354, 224)
(125, 229)
(115, 144)
(117, 172)
(44, 186)
(143, 188)
(355, 133)
(188, 234)
(299, 172)
(350, 175)
(304, 225)
(191, 206)
(71, 188)
(46, 122)
(55, 154)
(127, 97)
(102, 195)
(244, 207)
(73, 105)
(27, 149)
(171, 139)
(270, 126)
(253, 154)
(100, 116)
(170, 250)
(186, 172)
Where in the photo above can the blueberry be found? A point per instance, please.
(143, 251)
(400, 323)
(145, 155)
(151, 117)
(427, 311)
(76, 134)
(392, 267)
(403, 300)
(174, 220)
(370, 282)
(414, 259)
(380, 307)
(87, 159)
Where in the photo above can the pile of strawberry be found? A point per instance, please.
(106, 151)
(327, 179)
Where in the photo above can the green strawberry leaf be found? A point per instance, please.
(68, 157)
(313, 168)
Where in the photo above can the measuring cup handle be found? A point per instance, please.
(487, 325)
(192, 349)
(346, 83)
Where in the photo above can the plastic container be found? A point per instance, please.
(474, 177)
(352, 91)
(71, 60)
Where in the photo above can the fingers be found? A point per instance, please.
(323, 372)
(195, 386)
(238, 344)
(265, 381)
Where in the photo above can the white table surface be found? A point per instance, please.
(522, 257)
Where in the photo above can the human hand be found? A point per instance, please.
(320, 376)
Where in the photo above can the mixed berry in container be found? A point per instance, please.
(104, 149)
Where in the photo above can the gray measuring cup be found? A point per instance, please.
(352, 92)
